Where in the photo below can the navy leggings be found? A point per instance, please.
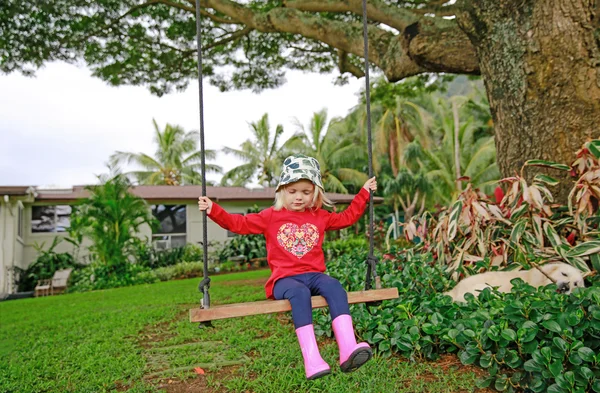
(299, 288)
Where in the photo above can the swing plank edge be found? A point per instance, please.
(273, 306)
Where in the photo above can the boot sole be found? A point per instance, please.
(319, 374)
(359, 357)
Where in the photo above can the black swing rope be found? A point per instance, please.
(205, 283)
(372, 260)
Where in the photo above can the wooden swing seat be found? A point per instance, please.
(272, 306)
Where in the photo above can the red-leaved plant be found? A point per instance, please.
(521, 225)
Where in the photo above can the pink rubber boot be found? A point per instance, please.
(352, 355)
(314, 365)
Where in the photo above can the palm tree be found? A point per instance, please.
(110, 217)
(459, 154)
(398, 120)
(407, 190)
(261, 155)
(479, 106)
(176, 162)
(331, 145)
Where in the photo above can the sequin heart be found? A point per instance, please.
(298, 240)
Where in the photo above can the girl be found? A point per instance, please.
(294, 230)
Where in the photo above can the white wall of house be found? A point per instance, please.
(12, 244)
(4, 242)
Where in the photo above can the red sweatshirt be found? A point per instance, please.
(294, 239)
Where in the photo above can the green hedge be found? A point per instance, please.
(530, 339)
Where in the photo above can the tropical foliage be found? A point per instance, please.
(112, 218)
(428, 140)
(331, 144)
(400, 118)
(261, 155)
(408, 191)
(177, 160)
(45, 265)
(522, 226)
(149, 256)
(455, 153)
(414, 144)
(531, 339)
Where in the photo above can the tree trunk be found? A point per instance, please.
(540, 61)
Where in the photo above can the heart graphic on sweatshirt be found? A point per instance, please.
(298, 240)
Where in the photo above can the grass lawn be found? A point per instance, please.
(138, 339)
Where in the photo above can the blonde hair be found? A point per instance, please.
(319, 198)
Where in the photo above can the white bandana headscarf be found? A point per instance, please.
(299, 166)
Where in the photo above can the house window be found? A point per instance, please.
(172, 227)
(55, 218)
(20, 222)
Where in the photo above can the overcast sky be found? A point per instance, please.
(59, 128)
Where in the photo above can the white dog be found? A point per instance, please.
(567, 278)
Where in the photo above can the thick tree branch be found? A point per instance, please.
(216, 19)
(173, 4)
(154, 2)
(384, 46)
(441, 46)
(177, 5)
(425, 44)
(395, 17)
(345, 65)
(234, 11)
(234, 36)
(385, 49)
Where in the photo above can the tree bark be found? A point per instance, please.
(540, 62)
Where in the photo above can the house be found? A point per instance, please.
(30, 216)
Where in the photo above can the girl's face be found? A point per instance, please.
(298, 196)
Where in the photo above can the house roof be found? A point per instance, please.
(16, 190)
(181, 193)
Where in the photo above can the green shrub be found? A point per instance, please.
(100, 276)
(44, 267)
(181, 270)
(192, 253)
(148, 256)
(248, 246)
(529, 339)
(94, 277)
(336, 248)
